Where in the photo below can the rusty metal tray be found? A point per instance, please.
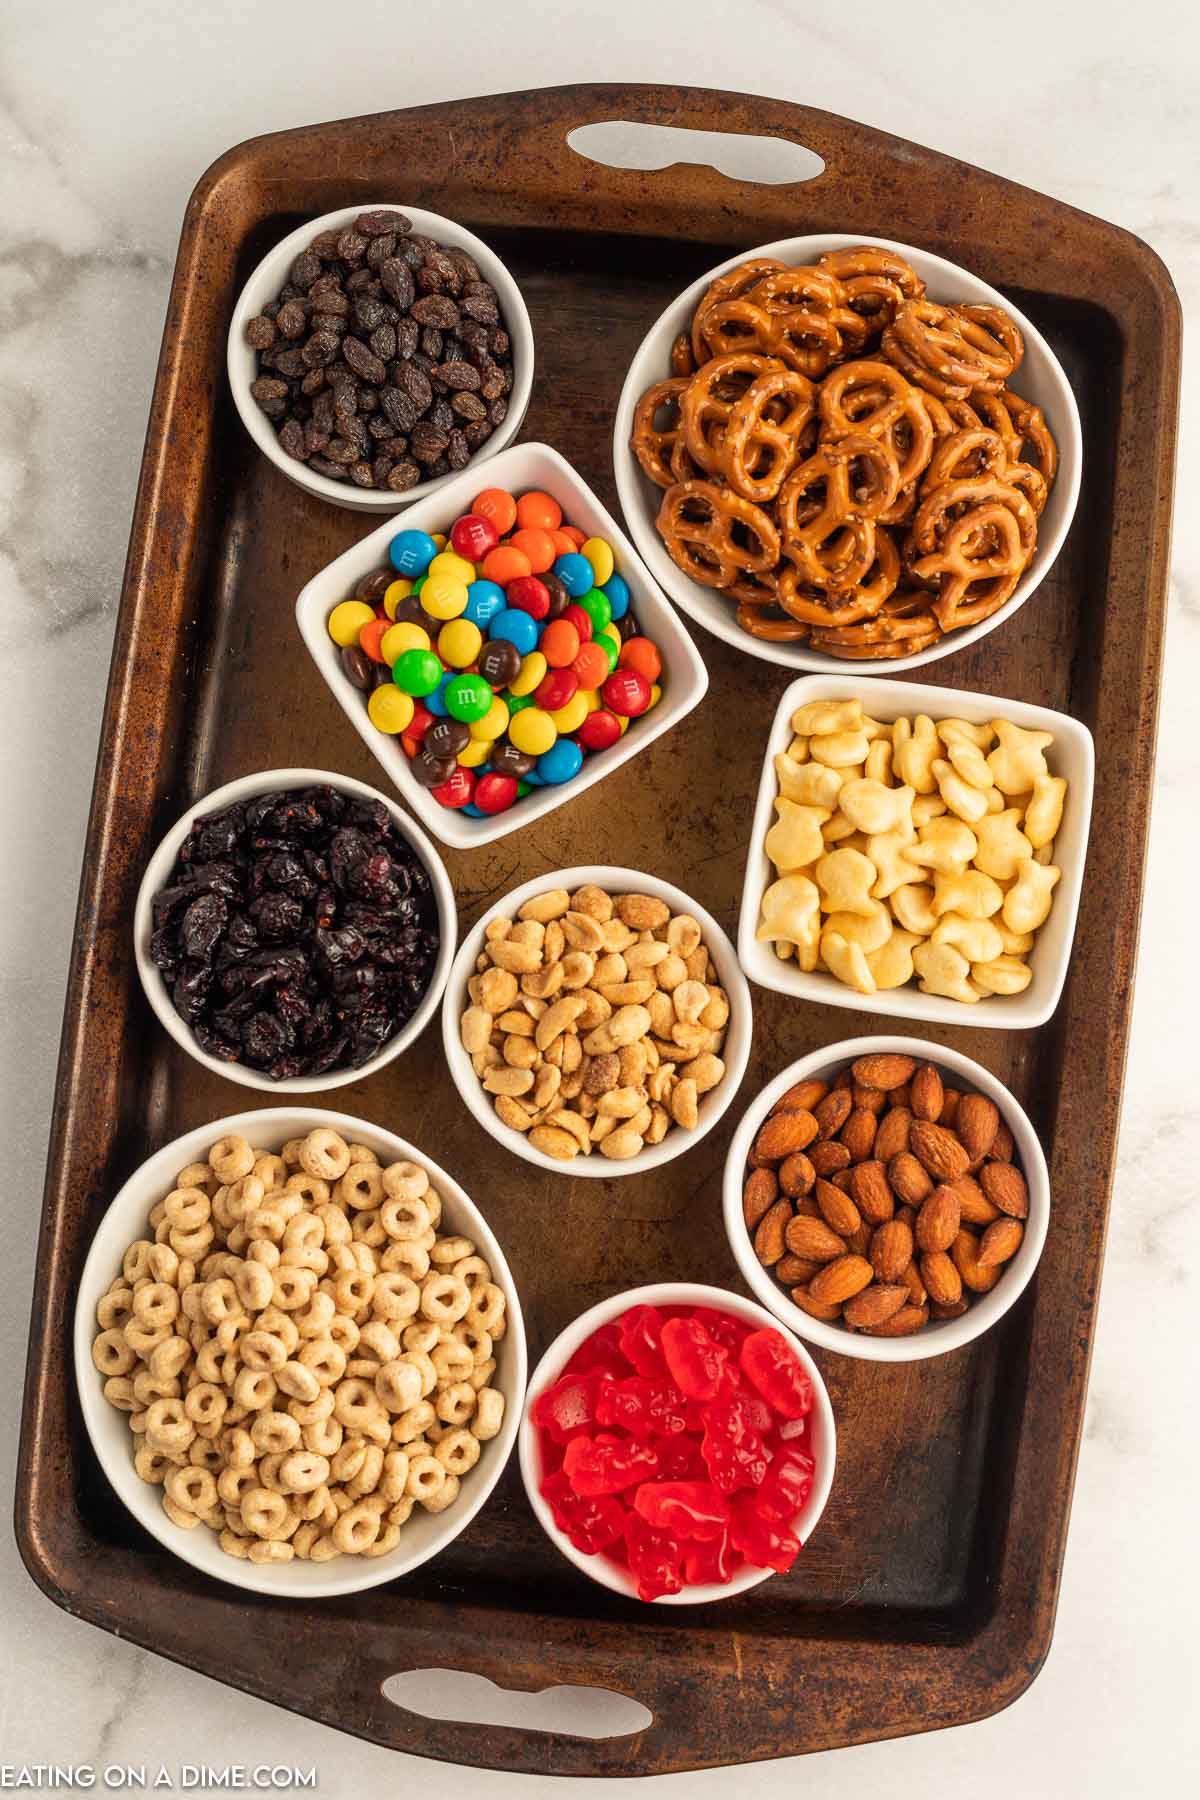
(927, 1597)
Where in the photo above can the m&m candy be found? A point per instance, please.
(501, 654)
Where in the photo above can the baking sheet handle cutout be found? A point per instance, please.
(626, 144)
(569, 1711)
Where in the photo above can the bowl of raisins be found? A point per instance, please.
(375, 352)
(294, 931)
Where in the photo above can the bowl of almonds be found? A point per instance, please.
(596, 1021)
(886, 1198)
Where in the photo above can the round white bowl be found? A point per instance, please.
(940, 1335)
(158, 870)
(425, 1534)
(1040, 378)
(263, 287)
(735, 1054)
(823, 1442)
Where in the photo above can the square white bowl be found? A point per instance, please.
(1040, 378)
(1072, 755)
(525, 466)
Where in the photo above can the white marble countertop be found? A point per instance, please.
(107, 116)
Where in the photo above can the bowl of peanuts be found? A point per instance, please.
(596, 1021)
(886, 1198)
(299, 1352)
(917, 848)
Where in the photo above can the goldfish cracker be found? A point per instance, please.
(891, 965)
(961, 731)
(945, 844)
(822, 718)
(1004, 975)
(839, 749)
(794, 840)
(871, 807)
(961, 798)
(1043, 815)
(1002, 845)
(848, 962)
(885, 849)
(913, 906)
(970, 892)
(792, 914)
(845, 878)
(878, 765)
(1018, 759)
(915, 745)
(975, 938)
(809, 783)
(869, 930)
(968, 760)
(1027, 902)
(945, 972)
(926, 807)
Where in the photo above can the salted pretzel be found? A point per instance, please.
(957, 503)
(708, 399)
(995, 339)
(714, 535)
(876, 282)
(683, 357)
(760, 444)
(872, 396)
(763, 620)
(933, 346)
(653, 444)
(727, 287)
(978, 562)
(964, 455)
(1035, 434)
(810, 605)
(903, 625)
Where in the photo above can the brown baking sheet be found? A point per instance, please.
(927, 1596)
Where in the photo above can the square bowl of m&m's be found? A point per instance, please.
(501, 647)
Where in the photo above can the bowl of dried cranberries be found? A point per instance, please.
(294, 930)
(677, 1445)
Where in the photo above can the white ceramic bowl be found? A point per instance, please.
(425, 1534)
(823, 1441)
(158, 870)
(1072, 754)
(735, 1053)
(1040, 378)
(263, 287)
(525, 466)
(940, 1335)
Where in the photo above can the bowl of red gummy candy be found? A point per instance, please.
(677, 1445)
(501, 648)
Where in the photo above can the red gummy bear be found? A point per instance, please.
(710, 1560)
(786, 1487)
(641, 1334)
(602, 1348)
(771, 1366)
(679, 1459)
(760, 1542)
(590, 1524)
(569, 1407)
(642, 1407)
(655, 1557)
(606, 1465)
(697, 1364)
(687, 1509)
(734, 1453)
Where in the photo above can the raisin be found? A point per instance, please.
(436, 310)
(468, 406)
(304, 272)
(458, 375)
(427, 441)
(458, 452)
(407, 335)
(294, 440)
(352, 246)
(362, 361)
(260, 332)
(292, 319)
(383, 342)
(375, 224)
(404, 476)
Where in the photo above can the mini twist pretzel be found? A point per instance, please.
(708, 399)
(808, 605)
(995, 338)
(715, 536)
(903, 625)
(1035, 434)
(652, 443)
(874, 397)
(683, 360)
(929, 344)
(978, 562)
(965, 455)
(765, 621)
(828, 528)
(951, 498)
(727, 287)
(876, 283)
(812, 289)
(758, 451)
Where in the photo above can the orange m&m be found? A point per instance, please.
(539, 510)
(497, 505)
(504, 564)
(640, 654)
(538, 545)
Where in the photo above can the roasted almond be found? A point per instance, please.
(938, 1149)
(844, 1179)
(892, 1136)
(872, 1194)
(858, 1134)
(1002, 1144)
(832, 1112)
(784, 1133)
(979, 1277)
(909, 1179)
(769, 1243)
(938, 1220)
(955, 1311)
(841, 1279)
(927, 1093)
(916, 1287)
(1001, 1240)
(815, 1309)
(885, 1071)
(942, 1279)
(794, 1271)
(949, 1111)
(1004, 1185)
(796, 1174)
(828, 1157)
(759, 1194)
(875, 1304)
(902, 1323)
(812, 1239)
(974, 1205)
(806, 1207)
(975, 1123)
(872, 1100)
(801, 1098)
(860, 1241)
(837, 1208)
(891, 1249)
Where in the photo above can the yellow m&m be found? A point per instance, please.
(531, 674)
(399, 638)
(459, 643)
(444, 596)
(532, 730)
(599, 554)
(571, 716)
(396, 592)
(453, 566)
(390, 709)
(348, 619)
(493, 723)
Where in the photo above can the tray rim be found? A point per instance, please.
(171, 440)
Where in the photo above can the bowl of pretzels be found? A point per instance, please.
(835, 448)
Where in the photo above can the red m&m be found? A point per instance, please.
(626, 691)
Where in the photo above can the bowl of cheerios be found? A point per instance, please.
(917, 848)
(299, 1352)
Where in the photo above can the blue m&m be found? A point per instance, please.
(411, 552)
(575, 572)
